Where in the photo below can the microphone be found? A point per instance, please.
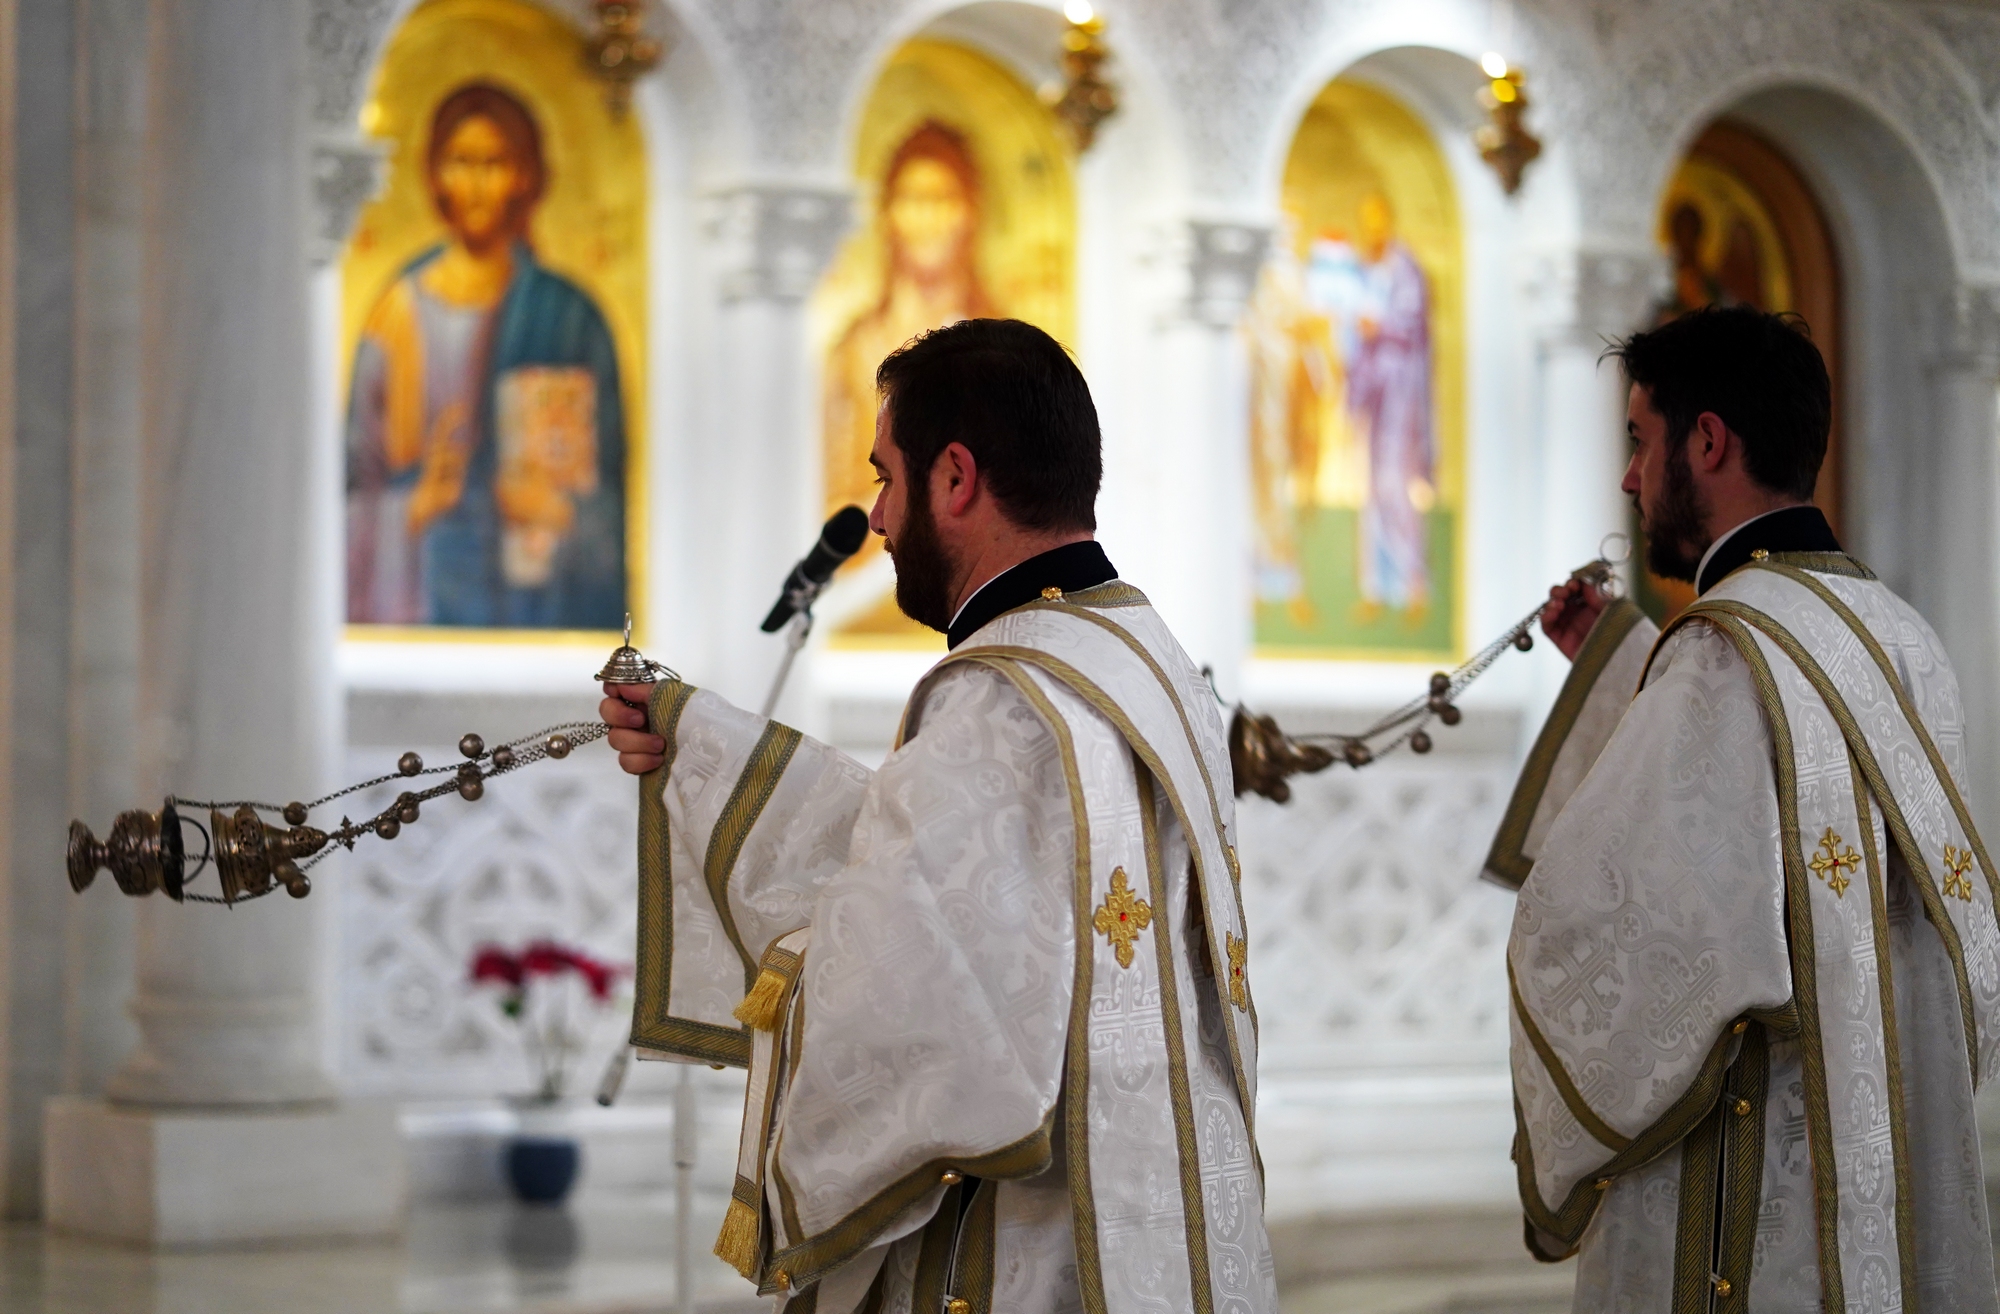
(840, 538)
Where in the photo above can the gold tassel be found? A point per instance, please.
(764, 1006)
(736, 1244)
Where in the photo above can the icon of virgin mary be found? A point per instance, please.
(485, 433)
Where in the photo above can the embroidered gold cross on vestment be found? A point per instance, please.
(1957, 873)
(1121, 917)
(1828, 862)
(1239, 959)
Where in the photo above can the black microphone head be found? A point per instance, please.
(840, 538)
(846, 531)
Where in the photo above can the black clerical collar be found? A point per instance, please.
(1793, 529)
(1071, 567)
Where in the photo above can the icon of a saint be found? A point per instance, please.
(1389, 398)
(485, 429)
(928, 216)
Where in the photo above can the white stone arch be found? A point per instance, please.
(1660, 73)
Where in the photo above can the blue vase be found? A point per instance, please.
(542, 1169)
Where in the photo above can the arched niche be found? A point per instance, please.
(493, 337)
(684, 130)
(1357, 389)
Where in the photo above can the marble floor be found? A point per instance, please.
(604, 1254)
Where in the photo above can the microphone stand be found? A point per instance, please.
(795, 638)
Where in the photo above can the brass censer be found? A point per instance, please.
(147, 851)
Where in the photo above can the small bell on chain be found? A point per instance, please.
(627, 665)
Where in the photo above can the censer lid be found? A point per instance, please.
(627, 665)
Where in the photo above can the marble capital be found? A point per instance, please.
(1223, 261)
(772, 242)
(1587, 296)
(346, 173)
(1961, 329)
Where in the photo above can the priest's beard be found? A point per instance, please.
(1674, 530)
(924, 567)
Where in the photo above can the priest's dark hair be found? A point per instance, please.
(1761, 373)
(1013, 396)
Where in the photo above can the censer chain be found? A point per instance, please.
(1412, 718)
(467, 780)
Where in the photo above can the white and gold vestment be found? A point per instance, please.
(1755, 965)
(990, 966)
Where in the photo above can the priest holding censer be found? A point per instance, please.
(1755, 969)
(993, 997)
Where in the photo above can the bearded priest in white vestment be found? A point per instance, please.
(1755, 964)
(992, 996)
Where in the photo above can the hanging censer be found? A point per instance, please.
(1262, 756)
(147, 851)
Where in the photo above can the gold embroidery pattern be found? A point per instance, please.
(1957, 873)
(1828, 862)
(1239, 961)
(1121, 917)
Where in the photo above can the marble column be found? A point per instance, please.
(36, 744)
(100, 934)
(1960, 562)
(761, 469)
(1585, 299)
(1203, 591)
(224, 1108)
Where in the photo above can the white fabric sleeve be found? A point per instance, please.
(1599, 688)
(739, 831)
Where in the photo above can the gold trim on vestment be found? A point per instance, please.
(1799, 934)
(1752, 619)
(978, 1248)
(653, 1027)
(1694, 1218)
(1892, 1045)
(1194, 1214)
(929, 1286)
(1075, 1098)
(1100, 700)
(1747, 1083)
(753, 790)
(1579, 1108)
(1733, 1189)
(1083, 687)
(1780, 565)
(809, 1260)
(1822, 563)
(1111, 593)
(1505, 859)
(788, 1202)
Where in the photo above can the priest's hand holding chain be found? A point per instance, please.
(624, 710)
(1572, 610)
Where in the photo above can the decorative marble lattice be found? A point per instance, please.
(1372, 938)
(547, 853)
(1371, 934)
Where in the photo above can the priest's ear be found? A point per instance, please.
(1709, 442)
(954, 479)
